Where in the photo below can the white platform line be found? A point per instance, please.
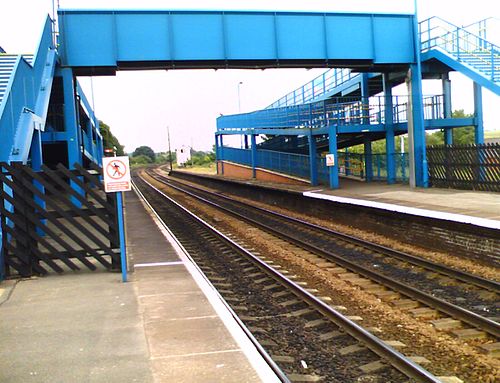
(263, 370)
(154, 264)
(196, 354)
(461, 218)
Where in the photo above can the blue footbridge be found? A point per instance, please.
(344, 107)
(46, 119)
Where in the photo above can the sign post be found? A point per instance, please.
(116, 172)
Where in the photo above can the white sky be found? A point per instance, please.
(140, 105)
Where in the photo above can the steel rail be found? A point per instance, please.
(395, 358)
(487, 325)
(272, 364)
(433, 266)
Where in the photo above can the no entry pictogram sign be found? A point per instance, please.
(116, 174)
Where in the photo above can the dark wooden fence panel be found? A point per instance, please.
(56, 219)
(468, 167)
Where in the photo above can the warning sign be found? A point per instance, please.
(116, 174)
(330, 160)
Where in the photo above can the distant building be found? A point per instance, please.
(183, 155)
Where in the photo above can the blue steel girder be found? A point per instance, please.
(102, 41)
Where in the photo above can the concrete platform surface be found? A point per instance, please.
(484, 205)
(165, 325)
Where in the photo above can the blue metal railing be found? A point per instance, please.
(462, 44)
(337, 111)
(287, 163)
(350, 164)
(315, 88)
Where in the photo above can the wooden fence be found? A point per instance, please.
(468, 167)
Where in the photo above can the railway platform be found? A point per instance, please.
(165, 325)
(450, 204)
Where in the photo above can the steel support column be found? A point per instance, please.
(221, 151)
(365, 94)
(478, 114)
(313, 168)
(448, 132)
(390, 147)
(254, 155)
(368, 159)
(217, 154)
(71, 118)
(71, 126)
(333, 171)
(416, 130)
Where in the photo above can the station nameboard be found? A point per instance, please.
(116, 172)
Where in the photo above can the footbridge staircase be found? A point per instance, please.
(353, 102)
(25, 88)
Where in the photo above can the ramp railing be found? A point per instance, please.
(28, 78)
(463, 45)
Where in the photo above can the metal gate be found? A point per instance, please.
(56, 220)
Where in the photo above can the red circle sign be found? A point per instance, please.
(116, 169)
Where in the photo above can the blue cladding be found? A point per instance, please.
(89, 38)
(92, 38)
(250, 38)
(347, 36)
(197, 38)
(135, 34)
(301, 37)
(402, 41)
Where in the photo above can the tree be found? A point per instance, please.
(140, 160)
(109, 141)
(145, 151)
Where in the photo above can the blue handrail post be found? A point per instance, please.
(313, 169)
(389, 132)
(221, 151)
(478, 114)
(254, 155)
(368, 159)
(333, 171)
(346, 162)
(121, 233)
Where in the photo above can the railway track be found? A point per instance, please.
(309, 340)
(450, 299)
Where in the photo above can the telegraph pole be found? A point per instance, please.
(169, 151)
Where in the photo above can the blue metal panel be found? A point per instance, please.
(301, 37)
(93, 38)
(135, 33)
(250, 38)
(347, 36)
(393, 39)
(90, 38)
(197, 38)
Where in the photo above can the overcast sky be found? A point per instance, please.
(140, 105)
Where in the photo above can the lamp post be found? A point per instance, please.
(239, 99)
(239, 109)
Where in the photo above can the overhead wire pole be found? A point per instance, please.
(169, 150)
